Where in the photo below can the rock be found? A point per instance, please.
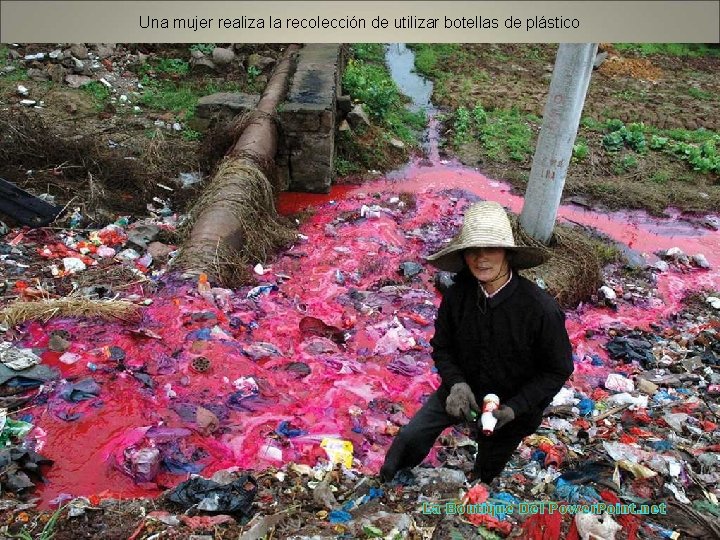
(197, 54)
(344, 104)
(57, 73)
(142, 234)
(357, 117)
(396, 143)
(13, 55)
(57, 55)
(260, 62)
(599, 59)
(38, 74)
(79, 51)
(662, 266)
(713, 301)
(222, 56)
(344, 126)
(105, 50)
(159, 251)
(261, 80)
(673, 253)
(203, 65)
(77, 81)
(700, 260)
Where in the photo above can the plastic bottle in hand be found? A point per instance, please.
(487, 420)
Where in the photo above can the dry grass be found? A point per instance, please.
(44, 310)
(573, 272)
(242, 190)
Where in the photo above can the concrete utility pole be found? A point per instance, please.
(561, 117)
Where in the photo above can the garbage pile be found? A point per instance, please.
(304, 377)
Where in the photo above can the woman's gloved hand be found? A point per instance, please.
(504, 414)
(461, 401)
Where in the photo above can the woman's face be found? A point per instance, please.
(486, 264)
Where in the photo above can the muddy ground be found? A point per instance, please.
(672, 94)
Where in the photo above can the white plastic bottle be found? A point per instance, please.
(487, 420)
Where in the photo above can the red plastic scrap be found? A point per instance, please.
(554, 454)
(544, 526)
(599, 394)
(639, 432)
(478, 494)
(625, 438)
(707, 425)
(629, 522)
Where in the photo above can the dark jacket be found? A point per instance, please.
(514, 345)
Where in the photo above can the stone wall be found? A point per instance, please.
(307, 119)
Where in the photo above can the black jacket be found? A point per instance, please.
(514, 345)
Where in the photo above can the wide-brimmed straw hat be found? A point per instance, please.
(485, 224)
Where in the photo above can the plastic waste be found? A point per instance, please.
(16, 358)
(212, 497)
(619, 383)
(490, 403)
(596, 527)
(338, 451)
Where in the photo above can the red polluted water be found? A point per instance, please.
(332, 343)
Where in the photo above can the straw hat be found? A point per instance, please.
(485, 224)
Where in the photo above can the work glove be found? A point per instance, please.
(461, 401)
(504, 414)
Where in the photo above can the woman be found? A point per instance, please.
(495, 333)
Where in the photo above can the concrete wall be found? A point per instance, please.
(307, 119)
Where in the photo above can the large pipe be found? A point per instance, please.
(240, 193)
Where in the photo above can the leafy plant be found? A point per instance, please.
(613, 142)
(479, 116)
(191, 135)
(580, 151)
(371, 85)
(369, 52)
(173, 66)
(461, 126)
(628, 162)
(253, 72)
(658, 143)
(205, 48)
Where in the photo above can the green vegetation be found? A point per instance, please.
(98, 91)
(697, 148)
(429, 56)
(18, 74)
(669, 49)
(367, 80)
(47, 532)
(505, 135)
(205, 48)
(699, 94)
(580, 151)
(369, 52)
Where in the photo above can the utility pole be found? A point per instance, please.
(561, 117)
